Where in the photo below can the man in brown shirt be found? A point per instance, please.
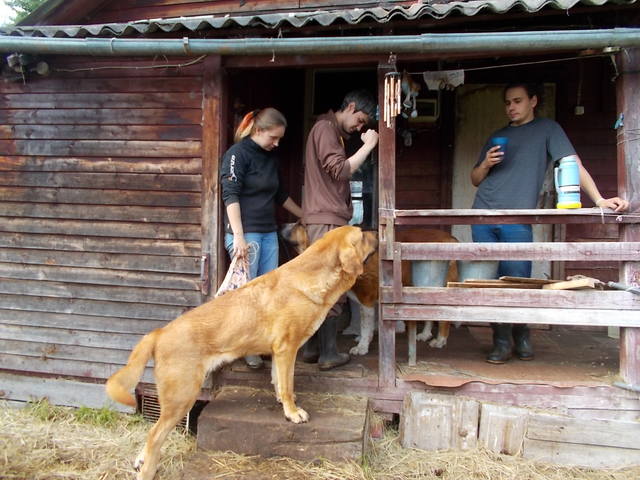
(326, 199)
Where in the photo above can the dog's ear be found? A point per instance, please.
(350, 258)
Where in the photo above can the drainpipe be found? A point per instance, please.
(443, 43)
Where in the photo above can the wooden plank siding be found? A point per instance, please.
(100, 213)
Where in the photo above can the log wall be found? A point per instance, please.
(100, 223)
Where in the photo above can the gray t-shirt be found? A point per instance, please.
(517, 180)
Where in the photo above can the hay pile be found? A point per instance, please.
(42, 442)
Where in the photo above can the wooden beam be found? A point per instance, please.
(568, 251)
(214, 136)
(575, 284)
(628, 99)
(533, 315)
(514, 298)
(387, 202)
(543, 216)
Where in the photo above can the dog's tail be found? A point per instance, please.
(122, 382)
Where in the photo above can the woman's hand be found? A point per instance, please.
(240, 246)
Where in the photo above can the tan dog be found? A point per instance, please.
(273, 314)
(365, 289)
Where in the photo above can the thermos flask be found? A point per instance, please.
(567, 180)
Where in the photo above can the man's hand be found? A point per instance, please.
(493, 157)
(615, 203)
(370, 138)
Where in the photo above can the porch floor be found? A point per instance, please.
(565, 358)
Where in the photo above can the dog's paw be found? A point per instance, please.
(424, 336)
(439, 342)
(359, 350)
(138, 462)
(298, 416)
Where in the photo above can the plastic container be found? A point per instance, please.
(429, 273)
(566, 175)
(477, 269)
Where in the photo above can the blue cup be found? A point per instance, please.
(500, 142)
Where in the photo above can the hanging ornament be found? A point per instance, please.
(392, 97)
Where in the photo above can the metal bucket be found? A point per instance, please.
(477, 269)
(429, 273)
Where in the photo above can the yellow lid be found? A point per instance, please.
(569, 205)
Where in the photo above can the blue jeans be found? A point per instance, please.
(506, 234)
(263, 251)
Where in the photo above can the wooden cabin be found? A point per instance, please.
(114, 122)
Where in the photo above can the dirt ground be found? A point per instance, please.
(42, 442)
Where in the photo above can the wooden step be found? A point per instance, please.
(250, 421)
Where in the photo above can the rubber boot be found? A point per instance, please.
(501, 343)
(522, 342)
(327, 335)
(310, 350)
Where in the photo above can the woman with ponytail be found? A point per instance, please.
(251, 189)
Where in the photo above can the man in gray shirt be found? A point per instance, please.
(515, 181)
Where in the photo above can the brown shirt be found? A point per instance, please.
(327, 194)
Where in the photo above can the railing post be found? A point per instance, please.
(628, 99)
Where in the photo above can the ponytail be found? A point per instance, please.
(263, 119)
(246, 125)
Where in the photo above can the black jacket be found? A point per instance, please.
(249, 175)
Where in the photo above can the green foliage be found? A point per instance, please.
(99, 417)
(44, 411)
(23, 7)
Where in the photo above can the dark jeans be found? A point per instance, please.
(506, 234)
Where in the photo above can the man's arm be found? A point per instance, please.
(369, 142)
(589, 186)
(291, 206)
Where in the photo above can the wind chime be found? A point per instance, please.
(392, 97)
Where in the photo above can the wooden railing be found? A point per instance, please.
(606, 308)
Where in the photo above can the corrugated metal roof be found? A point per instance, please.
(298, 19)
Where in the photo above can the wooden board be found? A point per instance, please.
(57, 391)
(502, 428)
(248, 421)
(589, 456)
(577, 284)
(439, 422)
(537, 281)
(555, 316)
(491, 284)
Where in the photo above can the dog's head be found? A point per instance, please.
(351, 245)
(295, 234)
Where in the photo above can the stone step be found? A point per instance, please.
(250, 421)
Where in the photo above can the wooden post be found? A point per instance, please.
(628, 99)
(387, 203)
(214, 136)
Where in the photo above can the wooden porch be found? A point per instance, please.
(575, 372)
(554, 308)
